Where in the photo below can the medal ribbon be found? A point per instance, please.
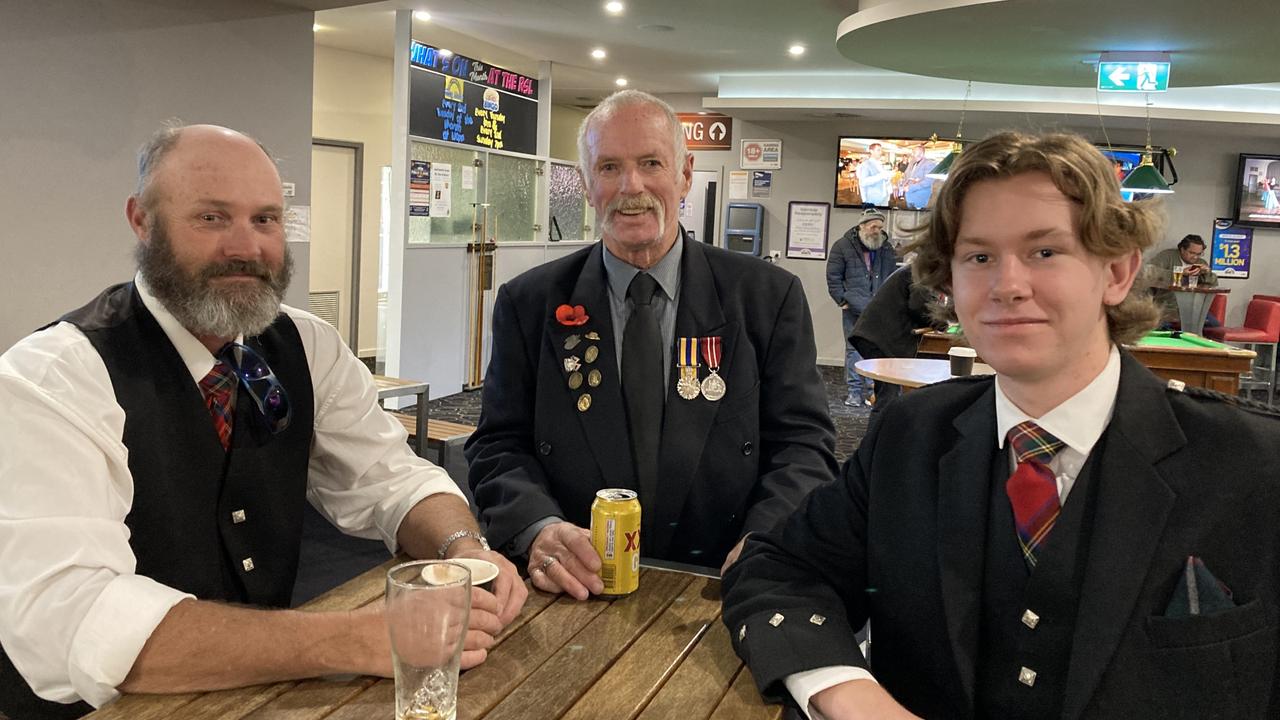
(711, 351)
(688, 352)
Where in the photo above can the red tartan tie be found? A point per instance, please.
(1032, 489)
(217, 388)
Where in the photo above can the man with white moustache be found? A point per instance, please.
(651, 362)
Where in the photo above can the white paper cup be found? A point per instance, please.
(962, 360)
(483, 572)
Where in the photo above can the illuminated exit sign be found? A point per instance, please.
(1139, 75)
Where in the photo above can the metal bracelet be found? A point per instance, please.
(444, 546)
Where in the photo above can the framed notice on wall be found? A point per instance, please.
(807, 226)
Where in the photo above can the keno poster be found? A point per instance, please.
(760, 155)
(807, 226)
(1232, 249)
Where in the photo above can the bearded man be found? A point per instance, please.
(647, 361)
(859, 263)
(156, 448)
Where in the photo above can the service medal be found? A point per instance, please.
(713, 385)
(687, 385)
(687, 362)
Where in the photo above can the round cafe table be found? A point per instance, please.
(912, 372)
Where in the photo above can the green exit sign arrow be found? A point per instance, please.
(1133, 76)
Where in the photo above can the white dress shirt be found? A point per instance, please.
(73, 613)
(1078, 422)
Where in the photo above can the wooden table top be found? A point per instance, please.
(659, 653)
(912, 372)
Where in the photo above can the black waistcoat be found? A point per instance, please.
(1051, 592)
(189, 497)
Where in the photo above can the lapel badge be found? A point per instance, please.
(584, 402)
(687, 362)
(572, 341)
(593, 335)
(571, 364)
(591, 353)
(575, 380)
(572, 315)
(594, 377)
(713, 385)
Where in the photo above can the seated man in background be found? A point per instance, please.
(887, 326)
(1159, 275)
(156, 449)
(1072, 537)
(647, 361)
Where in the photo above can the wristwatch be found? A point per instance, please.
(444, 546)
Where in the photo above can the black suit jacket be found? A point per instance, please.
(728, 467)
(900, 541)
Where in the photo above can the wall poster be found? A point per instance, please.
(807, 226)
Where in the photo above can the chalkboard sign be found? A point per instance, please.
(461, 100)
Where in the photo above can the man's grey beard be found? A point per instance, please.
(203, 309)
(634, 202)
(872, 241)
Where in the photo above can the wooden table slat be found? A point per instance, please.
(637, 675)
(743, 702)
(143, 707)
(308, 700)
(483, 687)
(356, 592)
(560, 681)
(697, 686)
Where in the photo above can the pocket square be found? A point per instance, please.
(1198, 592)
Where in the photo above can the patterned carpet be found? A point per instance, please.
(850, 422)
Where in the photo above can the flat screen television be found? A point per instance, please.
(1257, 196)
(887, 172)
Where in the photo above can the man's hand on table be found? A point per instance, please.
(562, 559)
(858, 699)
(508, 589)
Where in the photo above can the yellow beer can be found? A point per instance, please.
(615, 533)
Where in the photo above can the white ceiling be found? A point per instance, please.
(1029, 53)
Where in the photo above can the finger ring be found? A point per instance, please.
(548, 562)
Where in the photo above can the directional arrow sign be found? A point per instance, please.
(709, 131)
(1133, 76)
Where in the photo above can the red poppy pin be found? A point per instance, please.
(572, 315)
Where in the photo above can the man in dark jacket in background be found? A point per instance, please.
(859, 263)
(888, 323)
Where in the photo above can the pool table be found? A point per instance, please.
(1173, 356)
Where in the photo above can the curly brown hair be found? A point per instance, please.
(1108, 226)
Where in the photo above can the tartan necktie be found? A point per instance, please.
(1033, 489)
(218, 387)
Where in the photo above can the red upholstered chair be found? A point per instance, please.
(1218, 308)
(1261, 331)
(1268, 298)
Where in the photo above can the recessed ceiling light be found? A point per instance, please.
(598, 53)
(445, 52)
(614, 7)
(422, 15)
(620, 82)
(796, 50)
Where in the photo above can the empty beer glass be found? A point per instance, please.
(428, 606)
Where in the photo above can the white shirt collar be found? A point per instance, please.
(194, 354)
(1079, 421)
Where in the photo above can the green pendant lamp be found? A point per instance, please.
(1145, 178)
(943, 168)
